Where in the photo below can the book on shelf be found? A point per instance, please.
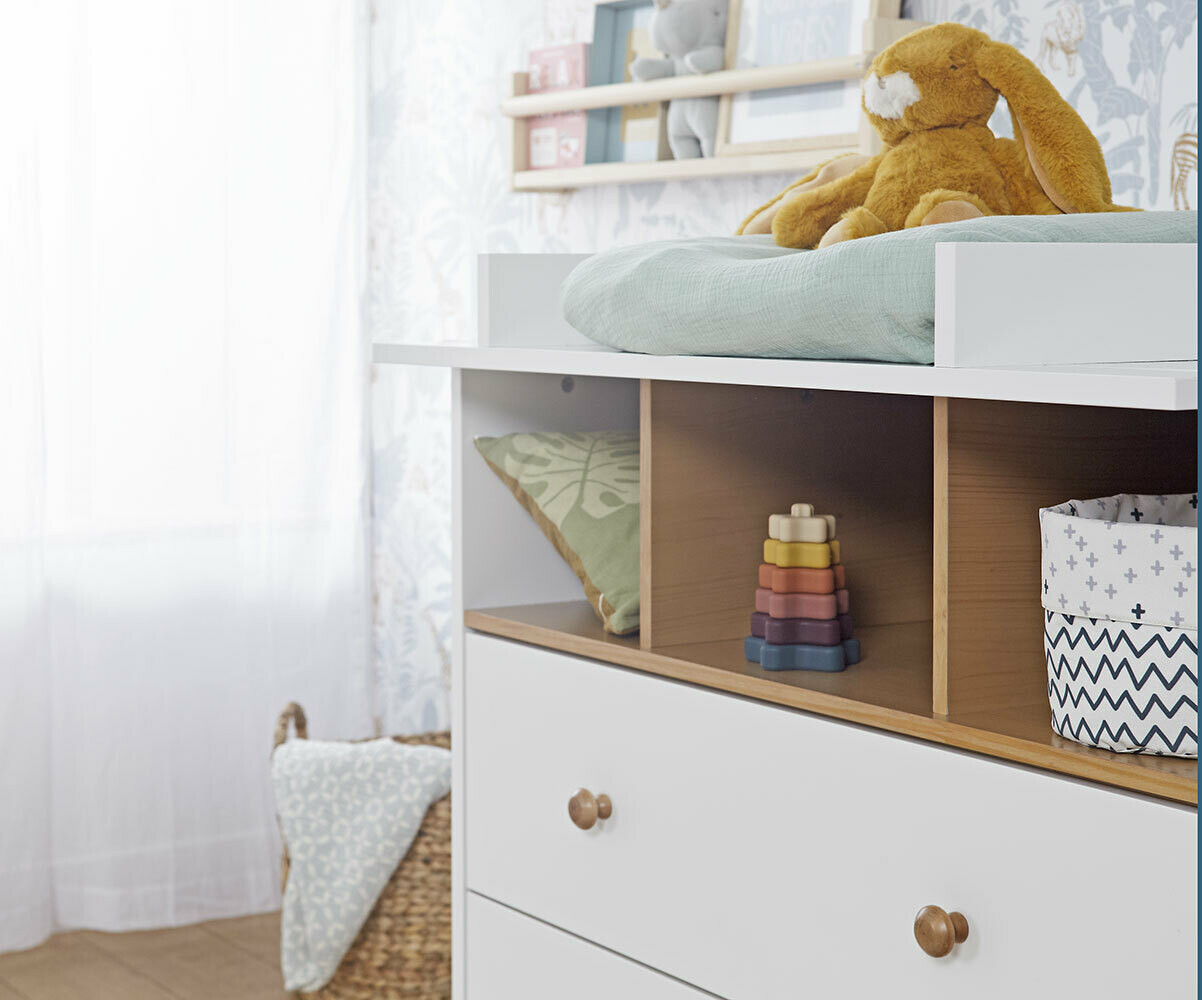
(557, 140)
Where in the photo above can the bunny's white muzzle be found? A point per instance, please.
(888, 96)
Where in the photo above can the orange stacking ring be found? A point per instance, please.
(802, 581)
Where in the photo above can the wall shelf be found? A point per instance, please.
(728, 81)
(592, 174)
(520, 106)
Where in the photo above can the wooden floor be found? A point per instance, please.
(222, 960)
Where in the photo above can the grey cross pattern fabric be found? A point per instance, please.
(1128, 558)
(1120, 622)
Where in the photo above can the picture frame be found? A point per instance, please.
(823, 116)
(634, 133)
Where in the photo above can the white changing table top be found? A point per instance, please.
(1162, 385)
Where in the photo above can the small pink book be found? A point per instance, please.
(557, 140)
(560, 67)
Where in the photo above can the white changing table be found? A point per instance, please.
(773, 835)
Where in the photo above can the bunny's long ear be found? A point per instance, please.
(1064, 156)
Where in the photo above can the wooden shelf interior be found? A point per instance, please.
(717, 460)
(998, 463)
(937, 506)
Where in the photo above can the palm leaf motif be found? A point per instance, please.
(1184, 163)
(596, 472)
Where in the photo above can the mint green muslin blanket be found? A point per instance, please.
(871, 299)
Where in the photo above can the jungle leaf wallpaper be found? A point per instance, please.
(439, 195)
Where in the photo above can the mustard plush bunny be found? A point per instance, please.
(930, 95)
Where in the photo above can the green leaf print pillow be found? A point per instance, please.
(582, 489)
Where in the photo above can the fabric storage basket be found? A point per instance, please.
(403, 951)
(1121, 627)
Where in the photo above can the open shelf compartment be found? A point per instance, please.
(937, 506)
(717, 460)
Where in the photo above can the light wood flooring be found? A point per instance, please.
(221, 960)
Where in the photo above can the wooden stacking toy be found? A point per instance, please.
(802, 617)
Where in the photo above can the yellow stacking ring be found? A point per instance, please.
(801, 555)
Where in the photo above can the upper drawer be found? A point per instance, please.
(756, 852)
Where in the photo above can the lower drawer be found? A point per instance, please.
(512, 957)
(754, 851)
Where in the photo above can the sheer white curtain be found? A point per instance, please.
(183, 377)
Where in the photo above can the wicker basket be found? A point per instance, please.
(403, 951)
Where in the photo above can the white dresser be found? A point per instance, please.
(761, 837)
(759, 852)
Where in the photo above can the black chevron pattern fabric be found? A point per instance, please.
(1123, 686)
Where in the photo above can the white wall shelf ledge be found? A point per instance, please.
(797, 163)
(729, 81)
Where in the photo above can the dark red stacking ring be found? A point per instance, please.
(803, 631)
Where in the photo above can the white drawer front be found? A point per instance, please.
(753, 849)
(512, 957)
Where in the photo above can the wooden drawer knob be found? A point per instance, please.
(938, 931)
(586, 808)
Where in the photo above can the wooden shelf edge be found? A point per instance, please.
(592, 174)
(721, 82)
(1078, 762)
